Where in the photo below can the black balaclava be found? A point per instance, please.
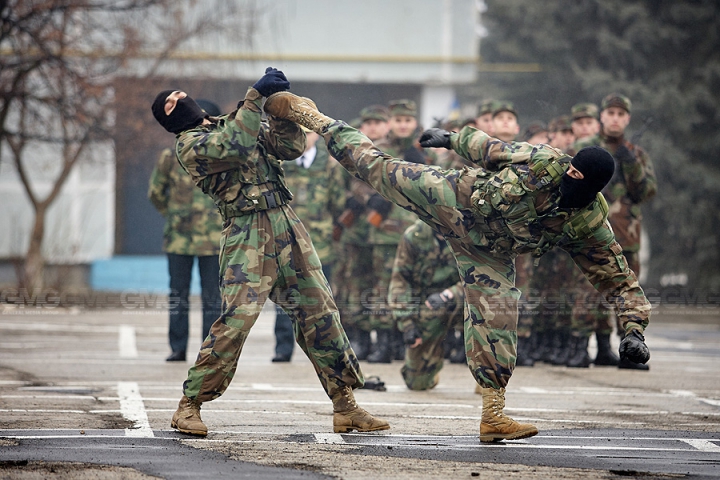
(597, 166)
(186, 114)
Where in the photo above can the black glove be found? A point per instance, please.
(410, 336)
(623, 155)
(440, 300)
(435, 137)
(354, 205)
(633, 347)
(379, 204)
(272, 82)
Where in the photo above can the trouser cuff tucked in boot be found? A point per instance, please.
(187, 419)
(347, 416)
(495, 426)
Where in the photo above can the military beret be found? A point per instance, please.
(616, 100)
(504, 107)
(560, 124)
(403, 107)
(584, 110)
(374, 112)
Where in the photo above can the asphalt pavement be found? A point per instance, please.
(90, 387)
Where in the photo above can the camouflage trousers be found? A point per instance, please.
(380, 313)
(590, 309)
(424, 362)
(354, 281)
(269, 255)
(441, 198)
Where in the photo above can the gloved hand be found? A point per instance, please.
(411, 337)
(442, 300)
(623, 155)
(380, 209)
(272, 82)
(435, 137)
(633, 347)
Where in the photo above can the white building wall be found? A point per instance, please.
(80, 225)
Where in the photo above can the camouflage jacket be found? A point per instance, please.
(317, 193)
(516, 195)
(236, 159)
(633, 183)
(192, 221)
(391, 230)
(424, 265)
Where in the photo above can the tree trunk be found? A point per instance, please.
(34, 261)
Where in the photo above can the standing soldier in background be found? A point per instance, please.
(388, 223)
(634, 182)
(427, 298)
(561, 133)
(484, 119)
(354, 271)
(535, 133)
(192, 229)
(585, 120)
(505, 124)
(266, 251)
(315, 179)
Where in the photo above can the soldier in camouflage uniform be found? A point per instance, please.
(560, 133)
(192, 229)
(354, 272)
(265, 250)
(523, 199)
(388, 223)
(423, 275)
(633, 183)
(585, 121)
(315, 202)
(484, 118)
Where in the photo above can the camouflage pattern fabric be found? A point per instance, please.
(485, 216)
(266, 252)
(352, 273)
(317, 194)
(634, 182)
(424, 265)
(386, 237)
(550, 294)
(193, 224)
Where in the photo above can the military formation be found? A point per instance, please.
(381, 241)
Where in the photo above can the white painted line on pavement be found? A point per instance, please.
(329, 438)
(133, 409)
(702, 445)
(126, 342)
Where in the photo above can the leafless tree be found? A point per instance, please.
(58, 59)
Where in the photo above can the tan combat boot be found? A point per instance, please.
(348, 416)
(300, 110)
(495, 425)
(187, 418)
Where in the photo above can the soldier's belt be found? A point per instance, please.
(258, 198)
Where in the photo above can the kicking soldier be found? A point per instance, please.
(525, 199)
